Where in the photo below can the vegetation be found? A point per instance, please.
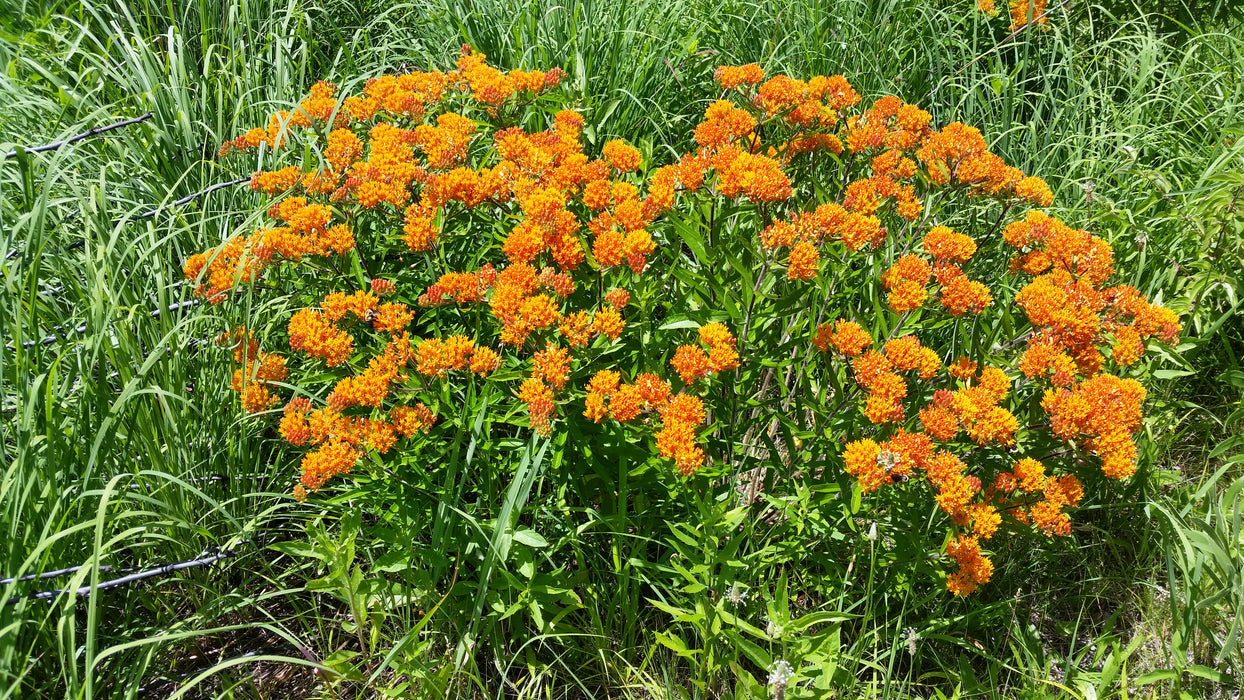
(486, 558)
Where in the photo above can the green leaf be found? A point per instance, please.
(677, 613)
(1211, 674)
(393, 562)
(818, 618)
(684, 323)
(750, 649)
(1155, 676)
(297, 548)
(675, 643)
(531, 538)
(1172, 373)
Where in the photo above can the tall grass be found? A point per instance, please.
(122, 449)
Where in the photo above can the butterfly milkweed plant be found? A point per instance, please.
(826, 285)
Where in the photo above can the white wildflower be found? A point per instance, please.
(912, 638)
(780, 674)
(774, 630)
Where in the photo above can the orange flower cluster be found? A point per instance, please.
(877, 373)
(493, 88)
(259, 370)
(1069, 307)
(540, 405)
(1074, 315)
(807, 106)
(906, 455)
(907, 280)
(1053, 494)
(416, 167)
(1025, 12)
(733, 77)
(460, 287)
(382, 169)
(958, 155)
(312, 332)
(232, 263)
(974, 567)
(806, 230)
(434, 357)
(848, 337)
(975, 410)
(341, 440)
(692, 362)
(1100, 415)
(680, 414)
(242, 259)
(676, 440)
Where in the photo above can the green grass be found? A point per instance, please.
(124, 449)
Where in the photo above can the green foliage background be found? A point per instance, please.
(533, 573)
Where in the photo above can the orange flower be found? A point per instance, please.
(677, 441)
(683, 408)
(946, 245)
(804, 262)
(540, 406)
(940, 422)
(654, 391)
(618, 298)
(723, 358)
(626, 403)
(552, 364)
(963, 368)
(848, 337)
(539, 311)
(576, 328)
(333, 458)
(594, 406)
(974, 567)
(1029, 475)
(906, 280)
(310, 332)
(869, 366)
(690, 362)
(732, 77)
(409, 420)
(621, 156)
(484, 361)
(1100, 414)
(860, 459)
(609, 323)
(714, 334)
(962, 295)
(392, 318)
(604, 382)
(1024, 12)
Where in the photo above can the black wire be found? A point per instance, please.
(184, 200)
(84, 135)
(61, 332)
(145, 215)
(204, 559)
